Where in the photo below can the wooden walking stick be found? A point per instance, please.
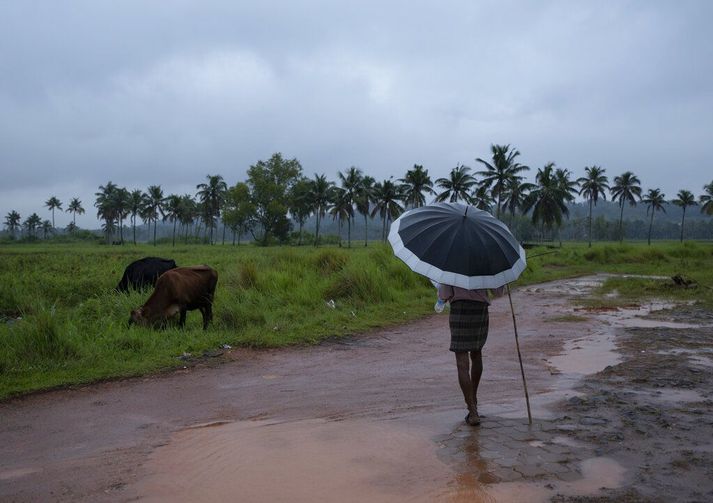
(517, 344)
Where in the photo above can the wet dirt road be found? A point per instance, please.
(377, 417)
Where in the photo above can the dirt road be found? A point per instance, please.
(378, 417)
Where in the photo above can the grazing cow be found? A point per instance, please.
(143, 273)
(177, 291)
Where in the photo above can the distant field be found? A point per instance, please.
(72, 327)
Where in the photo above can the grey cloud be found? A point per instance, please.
(149, 92)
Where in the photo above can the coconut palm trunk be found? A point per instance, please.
(621, 223)
(683, 219)
(316, 233)
(366, 229)
(651, 226)
(339, 228)
(590, 222)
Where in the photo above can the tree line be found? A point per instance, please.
(277, 196)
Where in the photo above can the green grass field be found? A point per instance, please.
(61, 323)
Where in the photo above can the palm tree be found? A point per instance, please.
(415, 183)
(152, 206)
(341, 208)
(105, 207)
(319, 196)
(458, 186)
(187, 214)
(212, 195)
(592, 186)
(547, 199)
(706, 200)
(627, 188)
(75, 206)
(516, 194)
(136, 201)
(121, 201)
(172, 206)
(350, 184)
(568, 188)
(503, 168)
(53, 203)
(684, 199)
(32, 223)
(481, 198)
(12, 222)
(364, 198)
(299, 205)
(386, 203)
(654, 201)
(47, 228)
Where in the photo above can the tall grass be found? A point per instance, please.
(62, 323)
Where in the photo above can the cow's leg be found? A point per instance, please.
(182, 319)
(207, 313)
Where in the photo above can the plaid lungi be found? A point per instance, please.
(469, 325)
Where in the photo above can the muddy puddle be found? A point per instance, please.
(402, 459)
(310, 460)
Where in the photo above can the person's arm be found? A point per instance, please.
(445, 292)
(498, 292)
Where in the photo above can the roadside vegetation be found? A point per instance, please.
(61, 322)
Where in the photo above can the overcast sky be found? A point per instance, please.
(165, 92)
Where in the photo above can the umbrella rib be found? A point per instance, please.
(505, 234)
(436, 235)
(452, 236)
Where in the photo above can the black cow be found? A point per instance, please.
(144, 273)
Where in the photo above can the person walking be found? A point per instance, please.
(468, 322)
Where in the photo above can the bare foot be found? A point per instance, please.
(473, 419)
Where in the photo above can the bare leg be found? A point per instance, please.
(476, 371)
(466, 386)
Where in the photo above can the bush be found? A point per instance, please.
(239, 318)
(40, 339)
(330, 261)
(247, 275)
(358, 284)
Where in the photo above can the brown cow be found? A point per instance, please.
(177, 291)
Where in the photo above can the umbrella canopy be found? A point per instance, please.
(457, 245)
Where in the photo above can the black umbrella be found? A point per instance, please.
(462, 246)
(458, 245)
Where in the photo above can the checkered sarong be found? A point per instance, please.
(469, 325)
